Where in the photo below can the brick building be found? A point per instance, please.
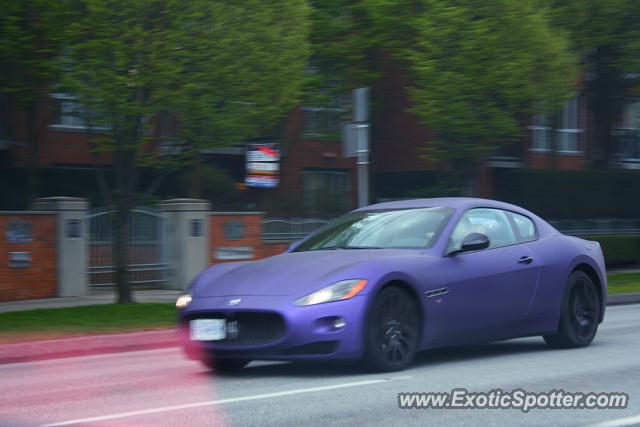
(315, 178)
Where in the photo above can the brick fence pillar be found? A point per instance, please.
(71, 242)
(188, 239)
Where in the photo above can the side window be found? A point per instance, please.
(525, 227)
(493, 223)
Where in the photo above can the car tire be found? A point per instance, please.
(392, 330)
(579, 315)
(225, 365)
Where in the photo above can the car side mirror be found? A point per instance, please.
(473, 242)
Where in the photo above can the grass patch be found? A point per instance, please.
(93, 319)
(622, 283)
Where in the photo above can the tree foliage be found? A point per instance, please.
(478, 68)
(344, 45)
(31, 36)
(605, 35)
(31, 33)
(223, 71)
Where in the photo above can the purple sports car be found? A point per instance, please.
(391, 279)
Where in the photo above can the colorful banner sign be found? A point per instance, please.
(263, 165)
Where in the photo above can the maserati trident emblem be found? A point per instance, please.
(234, 301)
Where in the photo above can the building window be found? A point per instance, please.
(326, 192)
(166, 132)
(69, 114)
(540, 133)
(631, 115)
(627, 133)
(323, 123)
(570, 131)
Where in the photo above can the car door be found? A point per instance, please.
(489, 291)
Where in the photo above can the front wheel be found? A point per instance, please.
(580, 314)
(392, 331)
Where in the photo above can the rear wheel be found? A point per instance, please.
(225, 365)
(580, 314)
(393, 330)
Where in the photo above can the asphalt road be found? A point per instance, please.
(161, 388)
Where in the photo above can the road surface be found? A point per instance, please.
(161, 388)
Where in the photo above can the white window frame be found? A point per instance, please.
(317, 132)
(568, 136)
(77, 123)
(631, 115)
(541, 131)
(630, 122)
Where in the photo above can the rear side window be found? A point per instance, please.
(525, 227)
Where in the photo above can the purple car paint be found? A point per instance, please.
(522, 284)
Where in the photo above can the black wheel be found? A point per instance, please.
(580, 314)
(393, 330)
(225, 365)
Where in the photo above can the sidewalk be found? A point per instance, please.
(99, 296)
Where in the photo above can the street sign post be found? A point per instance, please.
(355, 141)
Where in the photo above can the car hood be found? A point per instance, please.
(294, 273)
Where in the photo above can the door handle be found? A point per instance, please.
(525, 260)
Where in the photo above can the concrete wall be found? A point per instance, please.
(187, 239)
(71, 242)
(59, 259)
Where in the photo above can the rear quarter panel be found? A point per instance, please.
(558, 255)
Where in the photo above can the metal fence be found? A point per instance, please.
(291, 229)
(594, 227)
(147, 260)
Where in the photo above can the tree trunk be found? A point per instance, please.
(121, 251)
(123, 200)
(605, 94)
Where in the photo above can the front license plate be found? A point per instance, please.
(208, 329)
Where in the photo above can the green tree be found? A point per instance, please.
(31, 35)
(345, 46)
(605, 35)
(478, 69)
(224, 70)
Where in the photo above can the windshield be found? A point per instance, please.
(405, 228)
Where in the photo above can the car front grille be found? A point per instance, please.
(247, 328)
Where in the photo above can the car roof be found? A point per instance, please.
(449, 202)
(463, 204)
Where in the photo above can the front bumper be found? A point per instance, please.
(306, 332)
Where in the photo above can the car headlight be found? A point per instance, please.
(183, 300)
(342, 290)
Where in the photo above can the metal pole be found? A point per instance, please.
(363, 165)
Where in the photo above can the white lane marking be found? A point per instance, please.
(620, 422)
(221, 402)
